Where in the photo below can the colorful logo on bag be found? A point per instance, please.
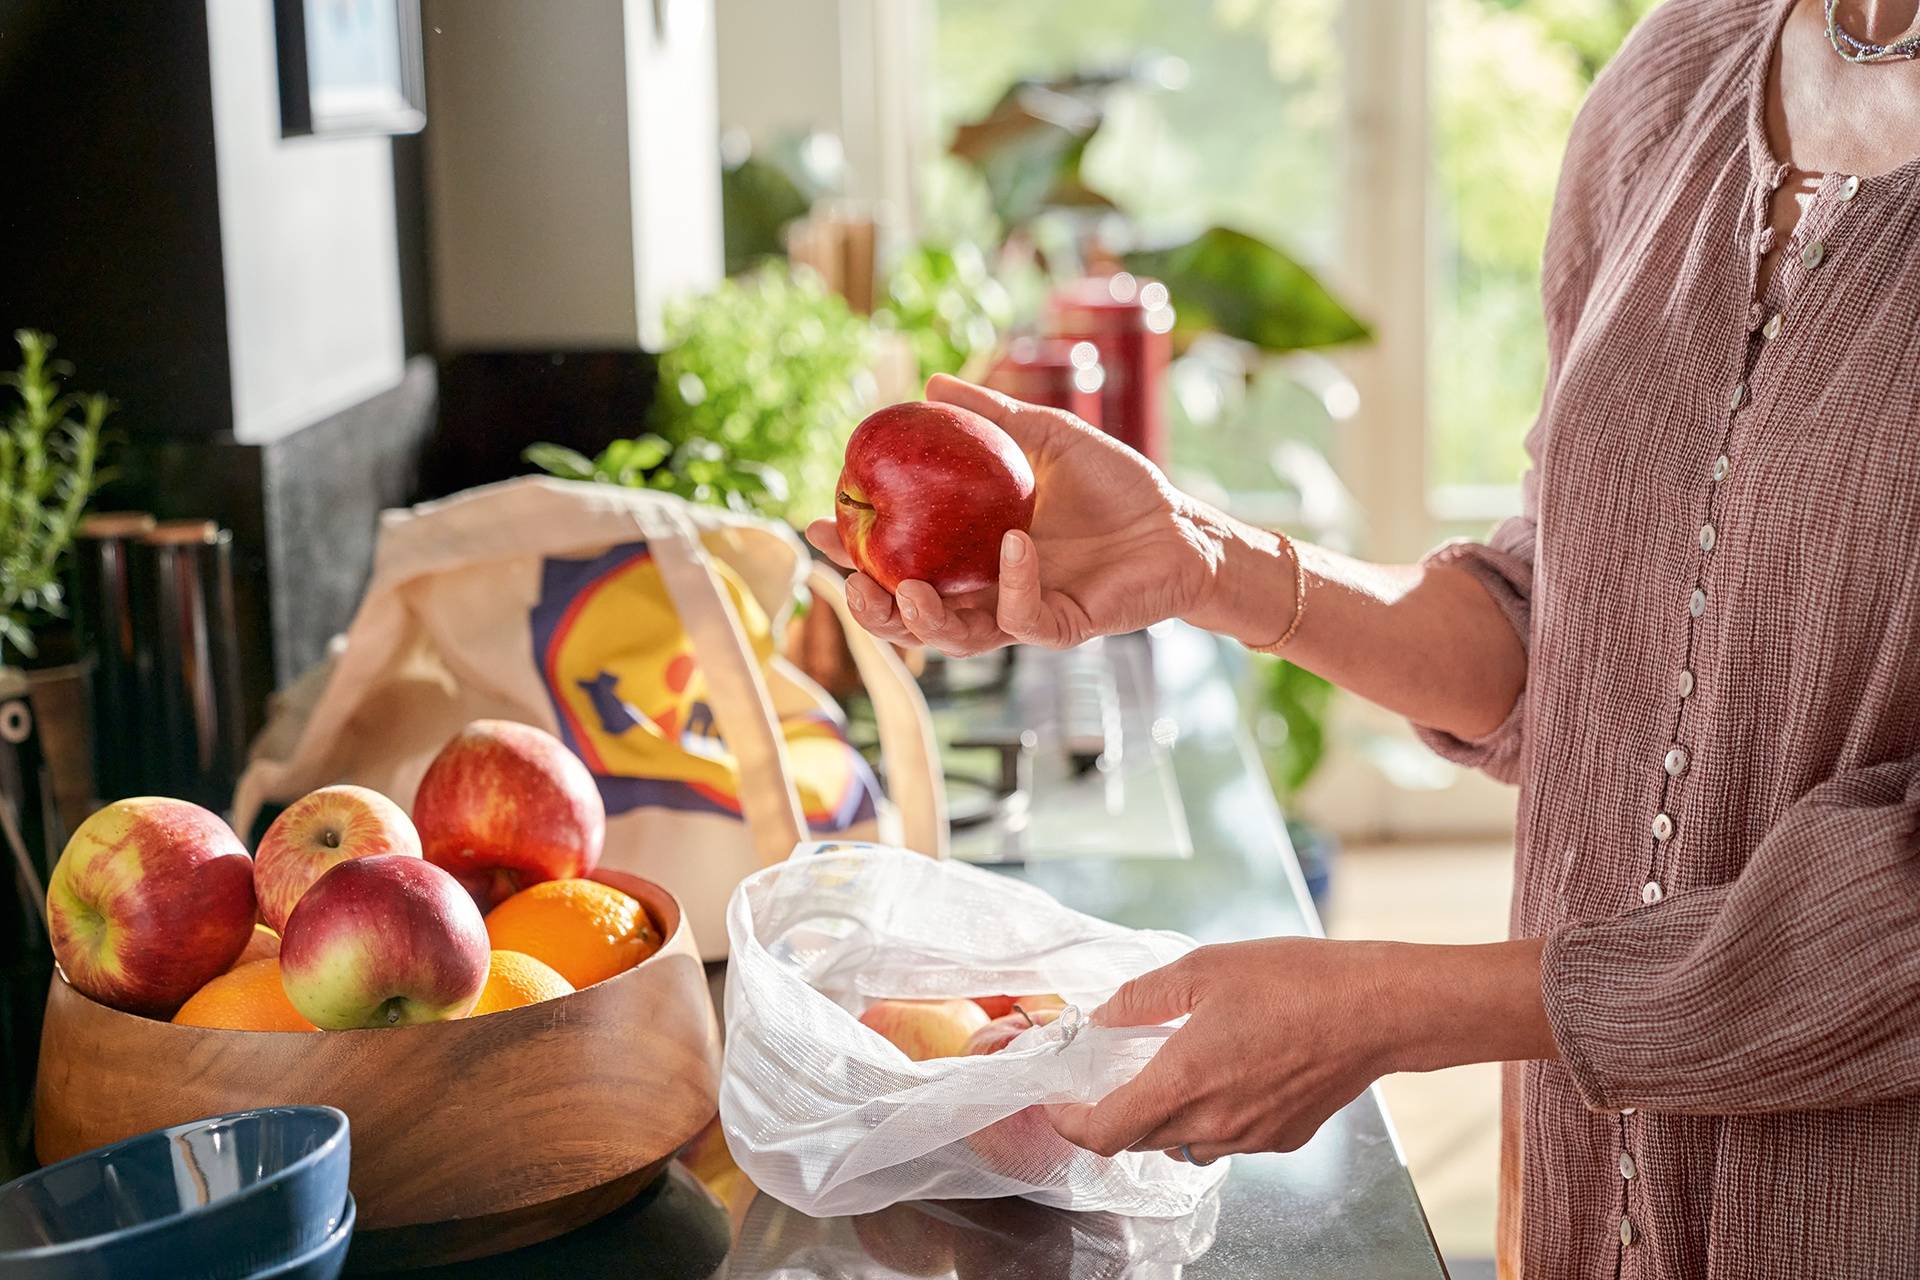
(631, 699)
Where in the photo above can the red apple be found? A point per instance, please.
(151, 900)
(506, 805)
(382, 942)
(927, 492)
(318, 830)
(1000, 1033)
(1001, 1006)
(924, 1029)
(1023, 1145)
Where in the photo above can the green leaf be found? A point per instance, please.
(1225, 281)
(558, 460)
(757, 201)
(1029, 149)
(1301, 700)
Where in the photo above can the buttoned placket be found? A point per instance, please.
(1808, 250)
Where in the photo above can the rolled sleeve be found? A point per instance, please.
(1503, 566)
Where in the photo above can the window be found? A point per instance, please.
(1235, 120)
(1254, 117)
(1507, 79)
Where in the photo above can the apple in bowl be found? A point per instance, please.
(151, 900)
(927, 492)
(385, 941)
(317, 831)
(506, 805)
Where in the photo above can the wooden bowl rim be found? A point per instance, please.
(652, 896)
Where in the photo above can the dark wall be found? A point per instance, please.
(109, 221)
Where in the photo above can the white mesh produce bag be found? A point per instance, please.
(827, 1116)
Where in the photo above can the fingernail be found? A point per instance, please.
(908, 611)
(1012, 549)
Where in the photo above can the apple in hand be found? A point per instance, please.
(924, 1029)
(318, 830)
(927, 492)
(382, 942)
(151, 900)
(506, 805)
(1000, 1033)
(1001, 1006)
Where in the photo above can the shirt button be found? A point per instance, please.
(1627, 1234)
(1626, 1111)
(1720, 468)
(1650, 892)
(1676, 761)
(1686, 683)
(1662, 826)
(1813, 255)
(1708, 536)
(1697, 602)
(1771, 329)
(1627, 1167)
(1850, 188)
(1739, 396)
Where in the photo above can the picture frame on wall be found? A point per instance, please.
(349, 67)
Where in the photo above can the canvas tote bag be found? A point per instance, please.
(639, 629)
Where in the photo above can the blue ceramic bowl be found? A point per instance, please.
(324, 1262)
(218, 1199)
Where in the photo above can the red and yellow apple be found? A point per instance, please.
(506, 805)
(381, 942)
(1024, 1145)
(1001, 1006)
(316, 831)
(927, 492)
(151, 900)
(924, 1029)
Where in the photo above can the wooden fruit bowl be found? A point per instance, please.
(469, 1137)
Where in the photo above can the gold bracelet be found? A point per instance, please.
(1299, 597)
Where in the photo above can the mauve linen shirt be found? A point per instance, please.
(1718, 579)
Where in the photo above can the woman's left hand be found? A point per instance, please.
(1282, 1033)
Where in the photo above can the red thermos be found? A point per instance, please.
(1128, 320)
(1054, 372)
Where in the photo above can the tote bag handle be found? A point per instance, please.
(914, 781)
(742, 709)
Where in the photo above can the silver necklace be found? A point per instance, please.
(1854, 49)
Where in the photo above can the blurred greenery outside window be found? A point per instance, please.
(1241, 123)
(1235, 122)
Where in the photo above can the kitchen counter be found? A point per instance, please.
(1342, 1206)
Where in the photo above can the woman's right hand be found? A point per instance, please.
(1113, 547)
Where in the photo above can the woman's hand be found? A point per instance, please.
(1113, 547)
(1280, 1034)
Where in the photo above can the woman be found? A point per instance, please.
(1698, 652)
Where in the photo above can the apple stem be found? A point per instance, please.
(1023, 1013)
(330, 838)
(393, 1012)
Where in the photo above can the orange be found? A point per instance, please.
(248, 998)
(515, 979)
(586, 931)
